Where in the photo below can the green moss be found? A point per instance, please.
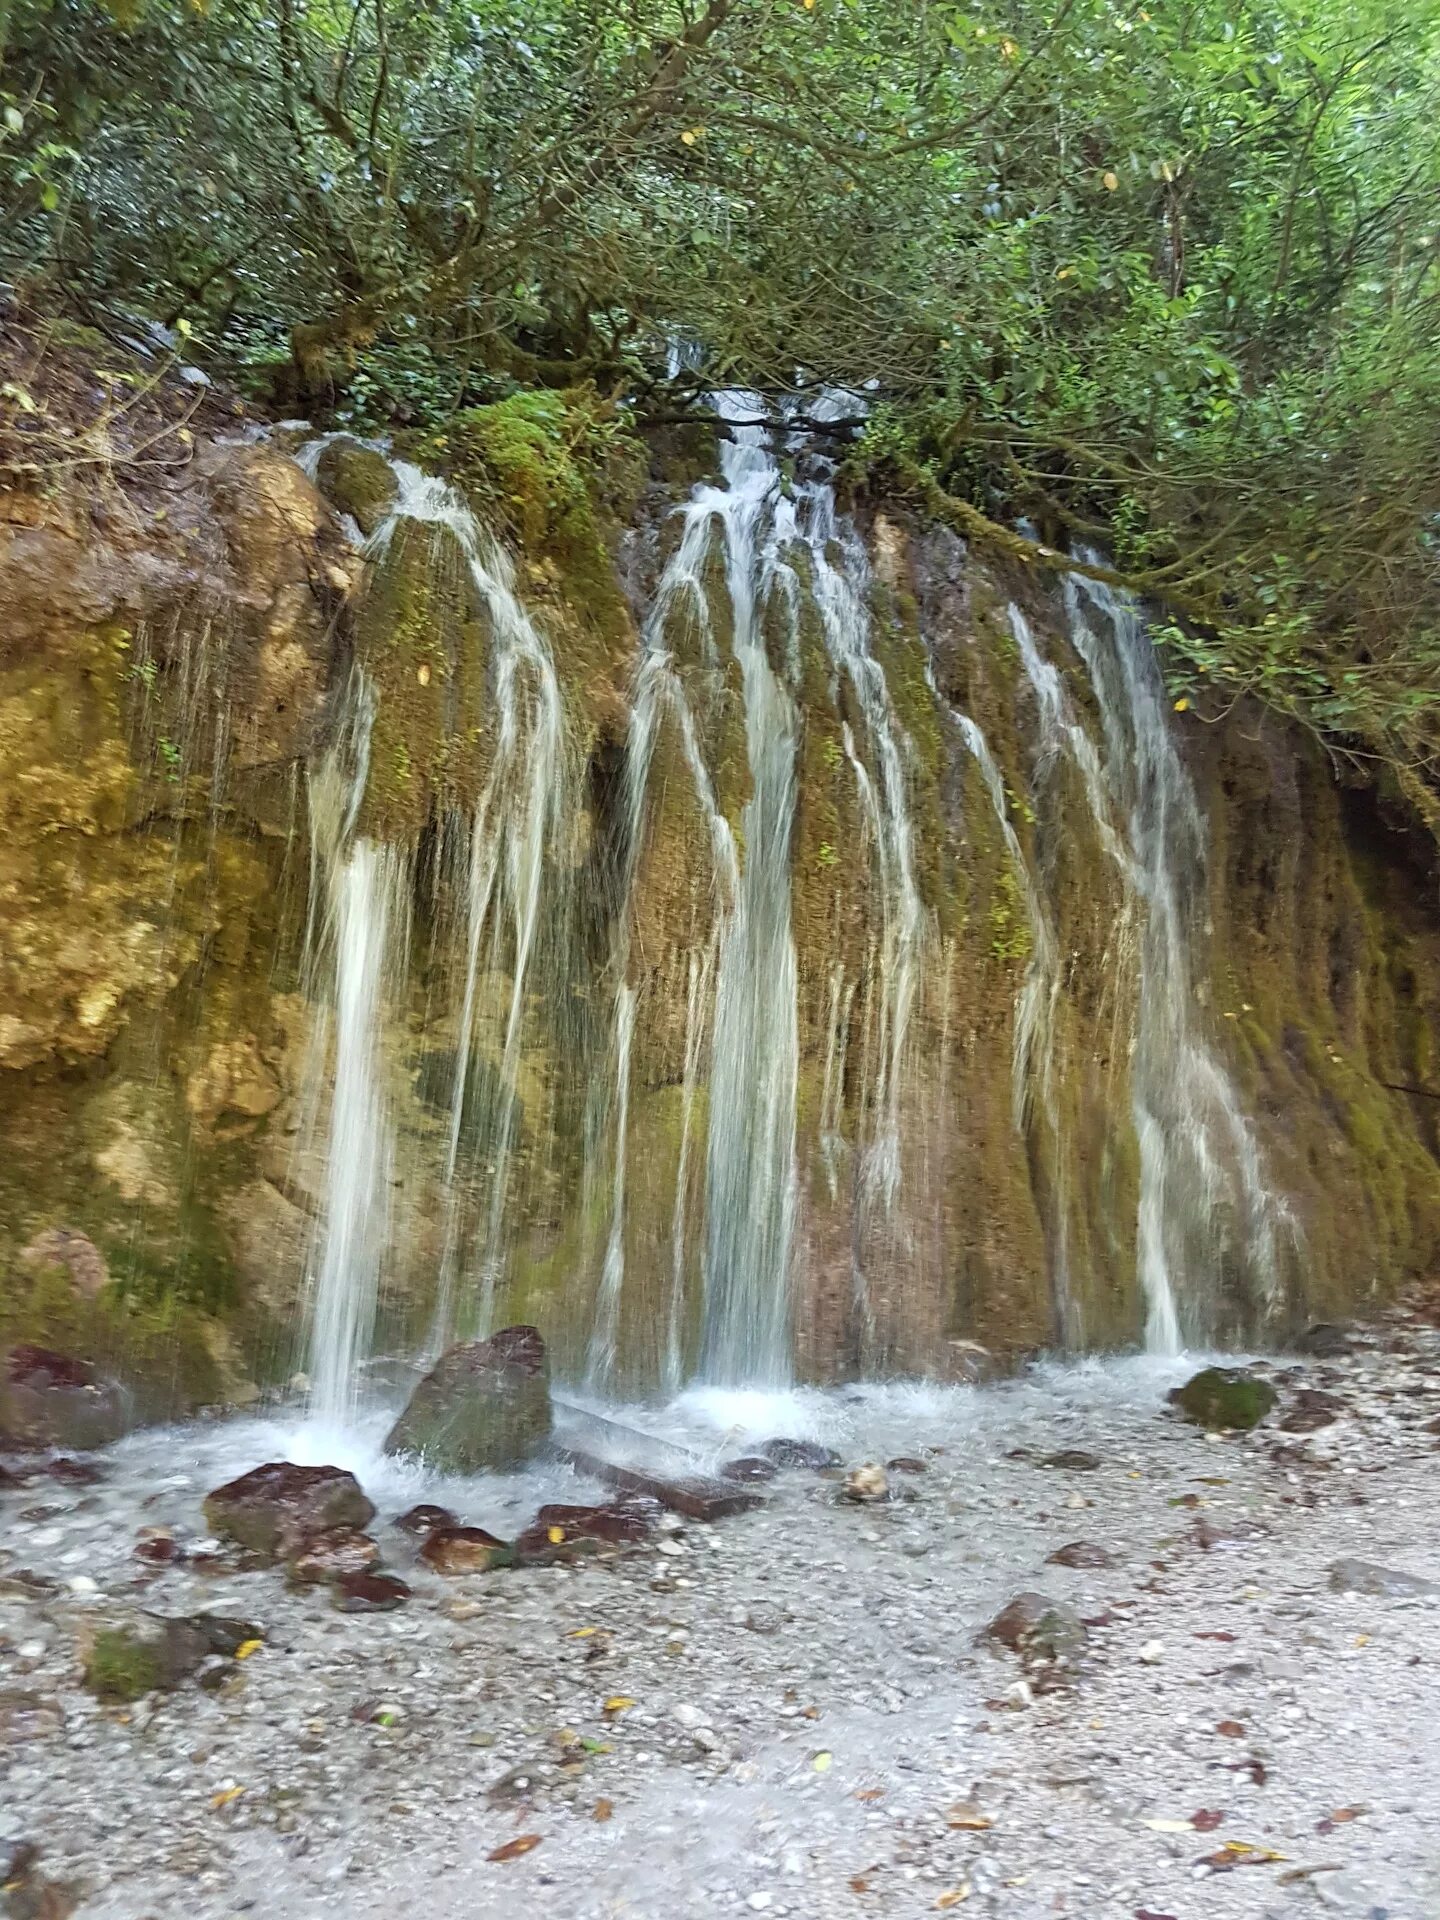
(122, 1667)
(1010, 936)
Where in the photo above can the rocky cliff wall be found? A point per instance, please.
(172, 672)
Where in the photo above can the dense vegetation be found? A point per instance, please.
(1162, 277)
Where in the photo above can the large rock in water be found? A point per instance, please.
(279, 1506)
(483, 1407)
(1225, 1397)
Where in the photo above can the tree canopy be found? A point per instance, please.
(1162, 278)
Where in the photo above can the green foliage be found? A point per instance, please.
(123, 1667)
(1161, 279)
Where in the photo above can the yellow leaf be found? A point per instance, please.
(247, 1647)
(1065, 273)
(691, 135)
(223, 1799)
(809, 5)
(619, 1703)
(1009, 49)
(821, 1762)
(1111, 181)
(955, 1896)
(581, 1633)
(555, 1535)
(1182, 705)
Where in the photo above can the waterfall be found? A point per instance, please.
(522, 808)
(1204, 1202)
(359, 925)
(604, 1337)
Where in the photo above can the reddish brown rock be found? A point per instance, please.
(363, 1592)
(457, 1550)
(425, 1519)
(1081, 1553)
(273, 1509)
(332, 1555)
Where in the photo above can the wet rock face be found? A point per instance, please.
(1225, 1397)
(484, 1407)
(277, 1507)
(50, 1400)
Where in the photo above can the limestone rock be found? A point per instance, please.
(50, 1400)
(1225, 1397)
(79, 1256)
(867, 1485)
(484, 1407)
(273, 1509)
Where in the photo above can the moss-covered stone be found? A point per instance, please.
(1222, 1398)
(123, 1666)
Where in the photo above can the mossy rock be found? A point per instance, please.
(358, 481)
(124, 1666)
(1225, 1397)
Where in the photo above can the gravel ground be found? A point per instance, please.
(801, 1720)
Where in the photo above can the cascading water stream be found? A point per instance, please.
(359, 922)
(1203, 1196)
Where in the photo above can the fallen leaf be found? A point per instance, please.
(595, 1746)
(603, 1810)
(1343, 1815)
(821, 1762)
(955, 1897)
(1231, 1729)
(965, 1817)
(247, 1647)
(555, 1535)
(1206, 1820)
(1227, 1638)
(512, 1849)
(618, 1703)
(581, 1633)
(1239, 1853)
(225, 1796)
(871, 1793)
(1110, 181)
(860, 1884)
(1145, 1913)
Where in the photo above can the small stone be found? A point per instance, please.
(906, 1463)
(27, 1716)
(764, 1617)
(1390, 1583)
(1153, 1652)
(1037, 1627)
(425, 1519)
(1073, 1460)
(867, 1485)
(1311, 1410)
(459, 1550)
(368, 1593)
(1081, 1553)
(158, 1545)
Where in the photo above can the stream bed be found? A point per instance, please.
(789, 1712)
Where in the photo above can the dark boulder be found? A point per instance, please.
(51, 1400)
(274, 1509)
(484, 1406)
(1225, 1397)
(749, 1467)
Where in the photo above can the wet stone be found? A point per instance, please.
(484, 1406)
(368, 1593)
(425, 1519)
(749, 1467)
(620, 1524)
(800, 1453)
(1389, 1583)
(157, 1545)
(866, 1485)
(1081, 1553)
(1312, 1409)
(458, 1550)
(276, 1507)
(906, 1463)
(1072, 1460)
(48, 1399)
(331, 1555)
